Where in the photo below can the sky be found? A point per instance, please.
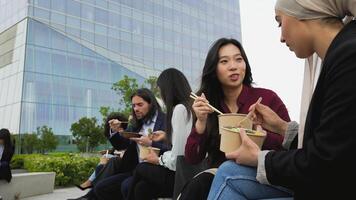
(273, 65)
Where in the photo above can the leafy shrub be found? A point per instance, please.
(17, 161)
(70, 168)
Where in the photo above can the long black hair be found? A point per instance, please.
(114, 115)
(150, 98)
(8, 146)
(212, 89)
(175, 89)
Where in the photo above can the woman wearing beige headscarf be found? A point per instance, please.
(327, 144)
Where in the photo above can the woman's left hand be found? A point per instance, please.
(152, 158)
(247, 153)
(143, 140)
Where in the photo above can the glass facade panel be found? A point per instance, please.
(76, 49)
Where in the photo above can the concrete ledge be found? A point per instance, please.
(27, 184)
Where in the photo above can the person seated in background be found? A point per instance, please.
(106, 154)
(114, 180)
(7, 150)
(175, 91)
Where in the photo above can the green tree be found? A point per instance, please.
(87, 134)
(151, 83)
(48, 141)
(30, 142)
(125, 88)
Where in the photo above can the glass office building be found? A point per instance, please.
(59, 58)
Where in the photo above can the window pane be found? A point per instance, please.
(59, 64)
(87, 12)
(73, 8)
(101, 15)
(59, 5)
(43, 61)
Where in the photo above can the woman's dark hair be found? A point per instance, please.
(211, 86)
(5, 135)
(114, 115)
(150, 98)
(175, 89)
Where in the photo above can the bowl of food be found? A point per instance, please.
(230, 138)
(144, 151)
(129, 135)
(234, 120)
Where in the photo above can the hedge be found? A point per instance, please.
(70, 168)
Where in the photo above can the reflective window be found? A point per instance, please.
(88, 36)
(158, 32)
(137, 27)
(101, 40)
(43, 89)
(88, 26)
(103, 71)
(101, 15)
(74, 22)
(89, 69)
(41, 35)
(87, 12)
(73, 8)
(126, 47)
(76, 93)
(137, 51)
(58, 18)
(60, 93)
(43, 14)
(43, 61)
(126, 36)
(101, 3)
(29, 65)
(59, 64)
(148, 53)
(114, 20)
(148, 29)
(73, 46)
(100, 29)
(74, 63)
(43, 3)
(126, 23)
(58, 5)
(114, 45)
(148, 6)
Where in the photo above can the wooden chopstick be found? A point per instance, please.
(194, 96)
(249, 113)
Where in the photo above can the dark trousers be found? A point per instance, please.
(198, 188)
(151, 181)
(5, 171)
(114, 187)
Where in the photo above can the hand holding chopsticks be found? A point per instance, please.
(194, 96)
(248, 116)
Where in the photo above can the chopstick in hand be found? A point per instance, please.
(194, 96)
(248, 116)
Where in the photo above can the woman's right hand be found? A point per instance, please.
(201, 110)
(268, 119)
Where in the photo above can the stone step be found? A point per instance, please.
(27, 184)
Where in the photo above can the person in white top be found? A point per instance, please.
(155, 177)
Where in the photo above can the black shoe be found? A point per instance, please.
(83, 188)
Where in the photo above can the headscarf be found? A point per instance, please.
(307, 10)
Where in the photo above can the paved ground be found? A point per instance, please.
(59, 194)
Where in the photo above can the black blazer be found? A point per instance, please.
(5, 170)
(130, 158)
(327, 162)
